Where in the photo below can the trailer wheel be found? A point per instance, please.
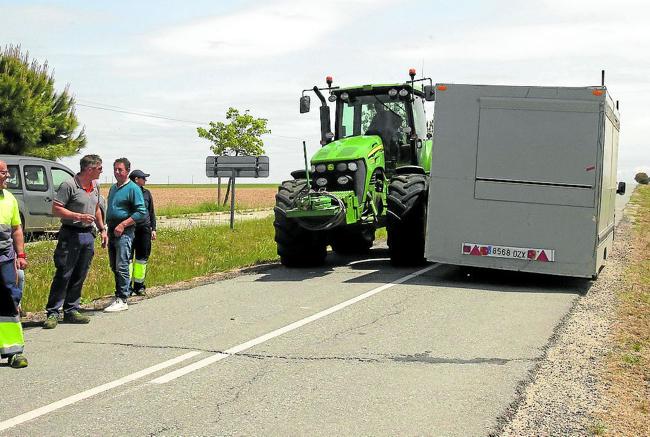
(297, 246)
(406, 218)
(353, 240)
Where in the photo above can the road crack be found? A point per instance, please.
(422, 358)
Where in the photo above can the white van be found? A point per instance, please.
(33, 181)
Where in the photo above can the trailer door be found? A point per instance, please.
(538, 150)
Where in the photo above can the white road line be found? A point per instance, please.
(249, 344)
(92, 392)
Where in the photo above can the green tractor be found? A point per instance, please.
(371, 172)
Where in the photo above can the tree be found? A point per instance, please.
(240, 135)
(35, 120)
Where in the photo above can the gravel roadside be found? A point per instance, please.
(564, 392)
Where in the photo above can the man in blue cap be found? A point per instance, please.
(145, 232)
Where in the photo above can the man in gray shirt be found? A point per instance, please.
(77, 204)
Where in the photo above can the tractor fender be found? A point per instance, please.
(299, 174)
(410, 169)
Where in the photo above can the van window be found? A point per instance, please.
(13, 180)
(35, 178)
(59, 175)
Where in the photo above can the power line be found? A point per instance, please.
(142, 114)
(122, 110)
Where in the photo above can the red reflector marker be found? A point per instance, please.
(542, 256)
(485, 251)
(532, 254)
(475, 251)
(467, 248)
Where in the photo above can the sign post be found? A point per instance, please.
(234, 167)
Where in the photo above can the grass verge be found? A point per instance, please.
(177, 255)
(199, 208)
(628, 366)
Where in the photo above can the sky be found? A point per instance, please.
(191, 60)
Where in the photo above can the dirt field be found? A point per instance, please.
(245, 197)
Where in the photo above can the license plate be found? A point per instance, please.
(525, 253)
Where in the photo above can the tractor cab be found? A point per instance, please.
(394, 113)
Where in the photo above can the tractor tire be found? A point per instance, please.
(406, 218)
(297, 246)
(353, 240)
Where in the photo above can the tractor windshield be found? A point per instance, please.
(372, 115)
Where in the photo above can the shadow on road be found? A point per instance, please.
(380, 271)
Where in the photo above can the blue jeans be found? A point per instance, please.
(72, 258)
(119, 255)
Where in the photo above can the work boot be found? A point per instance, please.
(18, 361)
(51, 321)
(76, 317)
(139, 289)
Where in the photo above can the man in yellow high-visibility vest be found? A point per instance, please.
(12, 258)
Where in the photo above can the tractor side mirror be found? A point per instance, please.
(621, 188)
(429, 93)
(305, 102)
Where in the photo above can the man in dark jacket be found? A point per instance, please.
(145, 232)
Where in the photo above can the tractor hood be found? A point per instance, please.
(347, 149)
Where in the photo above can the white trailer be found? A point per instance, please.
(523, 178)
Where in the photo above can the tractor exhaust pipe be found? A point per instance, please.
(325, 128)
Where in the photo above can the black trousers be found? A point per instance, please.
(72, 258)
(142, 243)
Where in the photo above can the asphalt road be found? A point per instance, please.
(434, 353)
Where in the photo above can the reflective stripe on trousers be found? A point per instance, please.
(139, 271)
(11, 336)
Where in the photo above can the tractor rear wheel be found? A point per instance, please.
(353, 240)
(406, 218)
(297, 246)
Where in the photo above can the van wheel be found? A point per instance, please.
(26, 236)
(22, 225)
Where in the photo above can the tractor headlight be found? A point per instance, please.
(353, 166)
(343, 180)
(392, 93)
(403, 93)
(320, 168)
(321, 182)
(341, 166)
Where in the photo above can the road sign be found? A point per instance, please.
(237, 166)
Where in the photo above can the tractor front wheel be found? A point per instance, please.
(297, 246)
(406, 218)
